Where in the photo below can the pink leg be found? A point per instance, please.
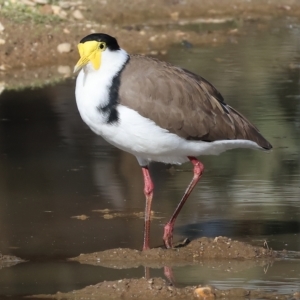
(148, 191)
(168, 230)
(168, 272)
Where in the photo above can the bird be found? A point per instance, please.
(158, 112)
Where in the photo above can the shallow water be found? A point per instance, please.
(52, 167)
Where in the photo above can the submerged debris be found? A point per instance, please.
(81, 217)
(9, 261)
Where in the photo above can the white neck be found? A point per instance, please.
(94, 92)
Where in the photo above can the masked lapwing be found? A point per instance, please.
(157, 112)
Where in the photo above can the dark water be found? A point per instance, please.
(52, 167)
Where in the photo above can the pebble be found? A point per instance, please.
(108, 216)
(153, 52)
(58, 11)
(174, 15)
(2, 41)
(78, 15)
(41, 1)
(65, 70)
(65, 4)
(204, 293)
(69, 4)
(28, 2)
(1, 27)
(64, 48)
(153, 38)
(82, 217)
(186, 44)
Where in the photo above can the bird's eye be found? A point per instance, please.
(102, 46)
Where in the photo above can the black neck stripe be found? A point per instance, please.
(113, 98)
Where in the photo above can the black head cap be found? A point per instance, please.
(110, 41)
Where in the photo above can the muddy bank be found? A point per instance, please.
(160, 289)
(220, 253)
(141, 26)
(195, 251)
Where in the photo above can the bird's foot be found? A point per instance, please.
(168, 272)
(168, 235)
(145, 247)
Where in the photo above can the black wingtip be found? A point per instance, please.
(268, 146)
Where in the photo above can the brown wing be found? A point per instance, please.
(182, 102)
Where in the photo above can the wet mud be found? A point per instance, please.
(193, 252)
(219, 253)
(159, 288)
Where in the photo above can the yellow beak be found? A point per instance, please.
(89, 52)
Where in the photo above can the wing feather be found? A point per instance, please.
(182, 102)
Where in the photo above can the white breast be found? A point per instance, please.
(92, 87)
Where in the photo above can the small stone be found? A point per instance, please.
(153, 38)
(46, 10)
(204, 293)
(285, 7)
(2, 68)
(41, 1)
(81, 217)
(28, 2)
(153, 52)
(103, 211)
(65, 4)
(58, 11)
(66, 30)
(174, 15)
(1, 27)
(78, 15)
(296, 295)
(65, 70)
(64, 48)
(2, 41)
(108, 216)
(233, 31)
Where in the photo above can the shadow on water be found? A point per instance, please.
(53, 167)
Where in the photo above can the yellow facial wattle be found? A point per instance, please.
(89, 52)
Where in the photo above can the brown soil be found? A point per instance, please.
(157, 288)
(219, 253)
(27, 52)
(195, 251)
